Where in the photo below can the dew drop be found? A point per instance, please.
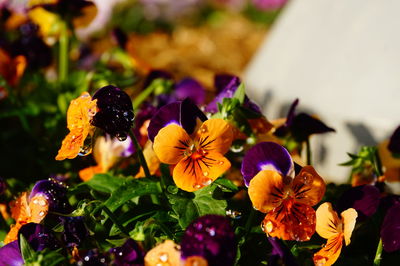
(237, 148)
(233, 214)
(203, 129)
(41, 213)
(86, 258)
(121, 136)
(196, 186)
(268, 227)
(221, 162)
(164, 257)
(35, 201)
(86, 149)
(206, 182)
(205, 173)
(255, 208)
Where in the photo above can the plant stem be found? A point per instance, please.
(308, 150)
(115, 220)
(142, 96)
(63, 53)
(140, 155)
(378, 254)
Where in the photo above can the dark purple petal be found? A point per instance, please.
(210, 237)
(390, 231)
(266, 156)
(93, 258)
(190, 88)
(74, 230)
(284, 129)
(54, 192)
(129, 254)
(229, 84)
(115, 112)
(39, 237)
(304, 126)
(394, 143)
(364, 199)
(10, 255)
(156, 74)
(164, 99)
(280, 251)
(249, 104)
(183, 113)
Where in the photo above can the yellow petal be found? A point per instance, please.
(308, 186)
(266, 190)
(327, 221)
(215, 135)
(193, 173)
(349, 217)
(171, 143)
(166, 253)
(330, 253)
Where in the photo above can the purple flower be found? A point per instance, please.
(54, 192)
(394, 143)
(210, 237)
(10, 255)
(115, 112)
(390, 231)
(39, 237)
(183, 113)
(266, 156)
(364, 199)
(74, 230)
(129, 254)
(301, 126)
(190, 88)
(280, 251)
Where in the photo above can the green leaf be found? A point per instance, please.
(28, 254)
(226, 185)
(131, 189)
(240, 93)
(189, 206)
(105, 183)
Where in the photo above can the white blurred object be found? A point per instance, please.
(342, 59)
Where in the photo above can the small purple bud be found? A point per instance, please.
(128, 254)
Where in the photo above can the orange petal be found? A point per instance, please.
(171, 143)
(266, 190)
(39, 208)
(88, 173)
(330, 253)
(20, 208)
(193, 173)
(71, 145)
(166, 253)
(12, 235)
(215, 135)
(327, 221)
(80, 111)
(349, 217)
(196, 261)
(386, 157)
(308, 186)
(290, 221)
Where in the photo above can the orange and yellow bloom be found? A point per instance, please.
(199, 158)
(330, 227)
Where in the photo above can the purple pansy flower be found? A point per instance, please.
(364, 199)
(93, 258)
(226, 86)
(183, 113)
(390, 230)
(54, 192)
(115, 112)
(10, 255)
(39, 237)
(210, 237)
(128, 254)
(301, 126)
(266, 156)
(394, 143)
(280, 251)
(74, 230)
(190, 88)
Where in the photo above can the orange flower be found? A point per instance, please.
(79, 114)
(166, 253)
(287, 202)
(199, 160)
(11, 69)
(330, 227)
(24, 211)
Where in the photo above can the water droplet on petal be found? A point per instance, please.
(164, 257)
(205, 173)
(121, 136)
(41, 213)
(233, 214)
(221, 162)
(86, 149)
(206, 182)
(197, 186)
(268, 227)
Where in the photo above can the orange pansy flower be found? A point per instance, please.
(24, 211)
(164, 254)
(330, 227)
(79, 114)
(288, 202)
(199, 159)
